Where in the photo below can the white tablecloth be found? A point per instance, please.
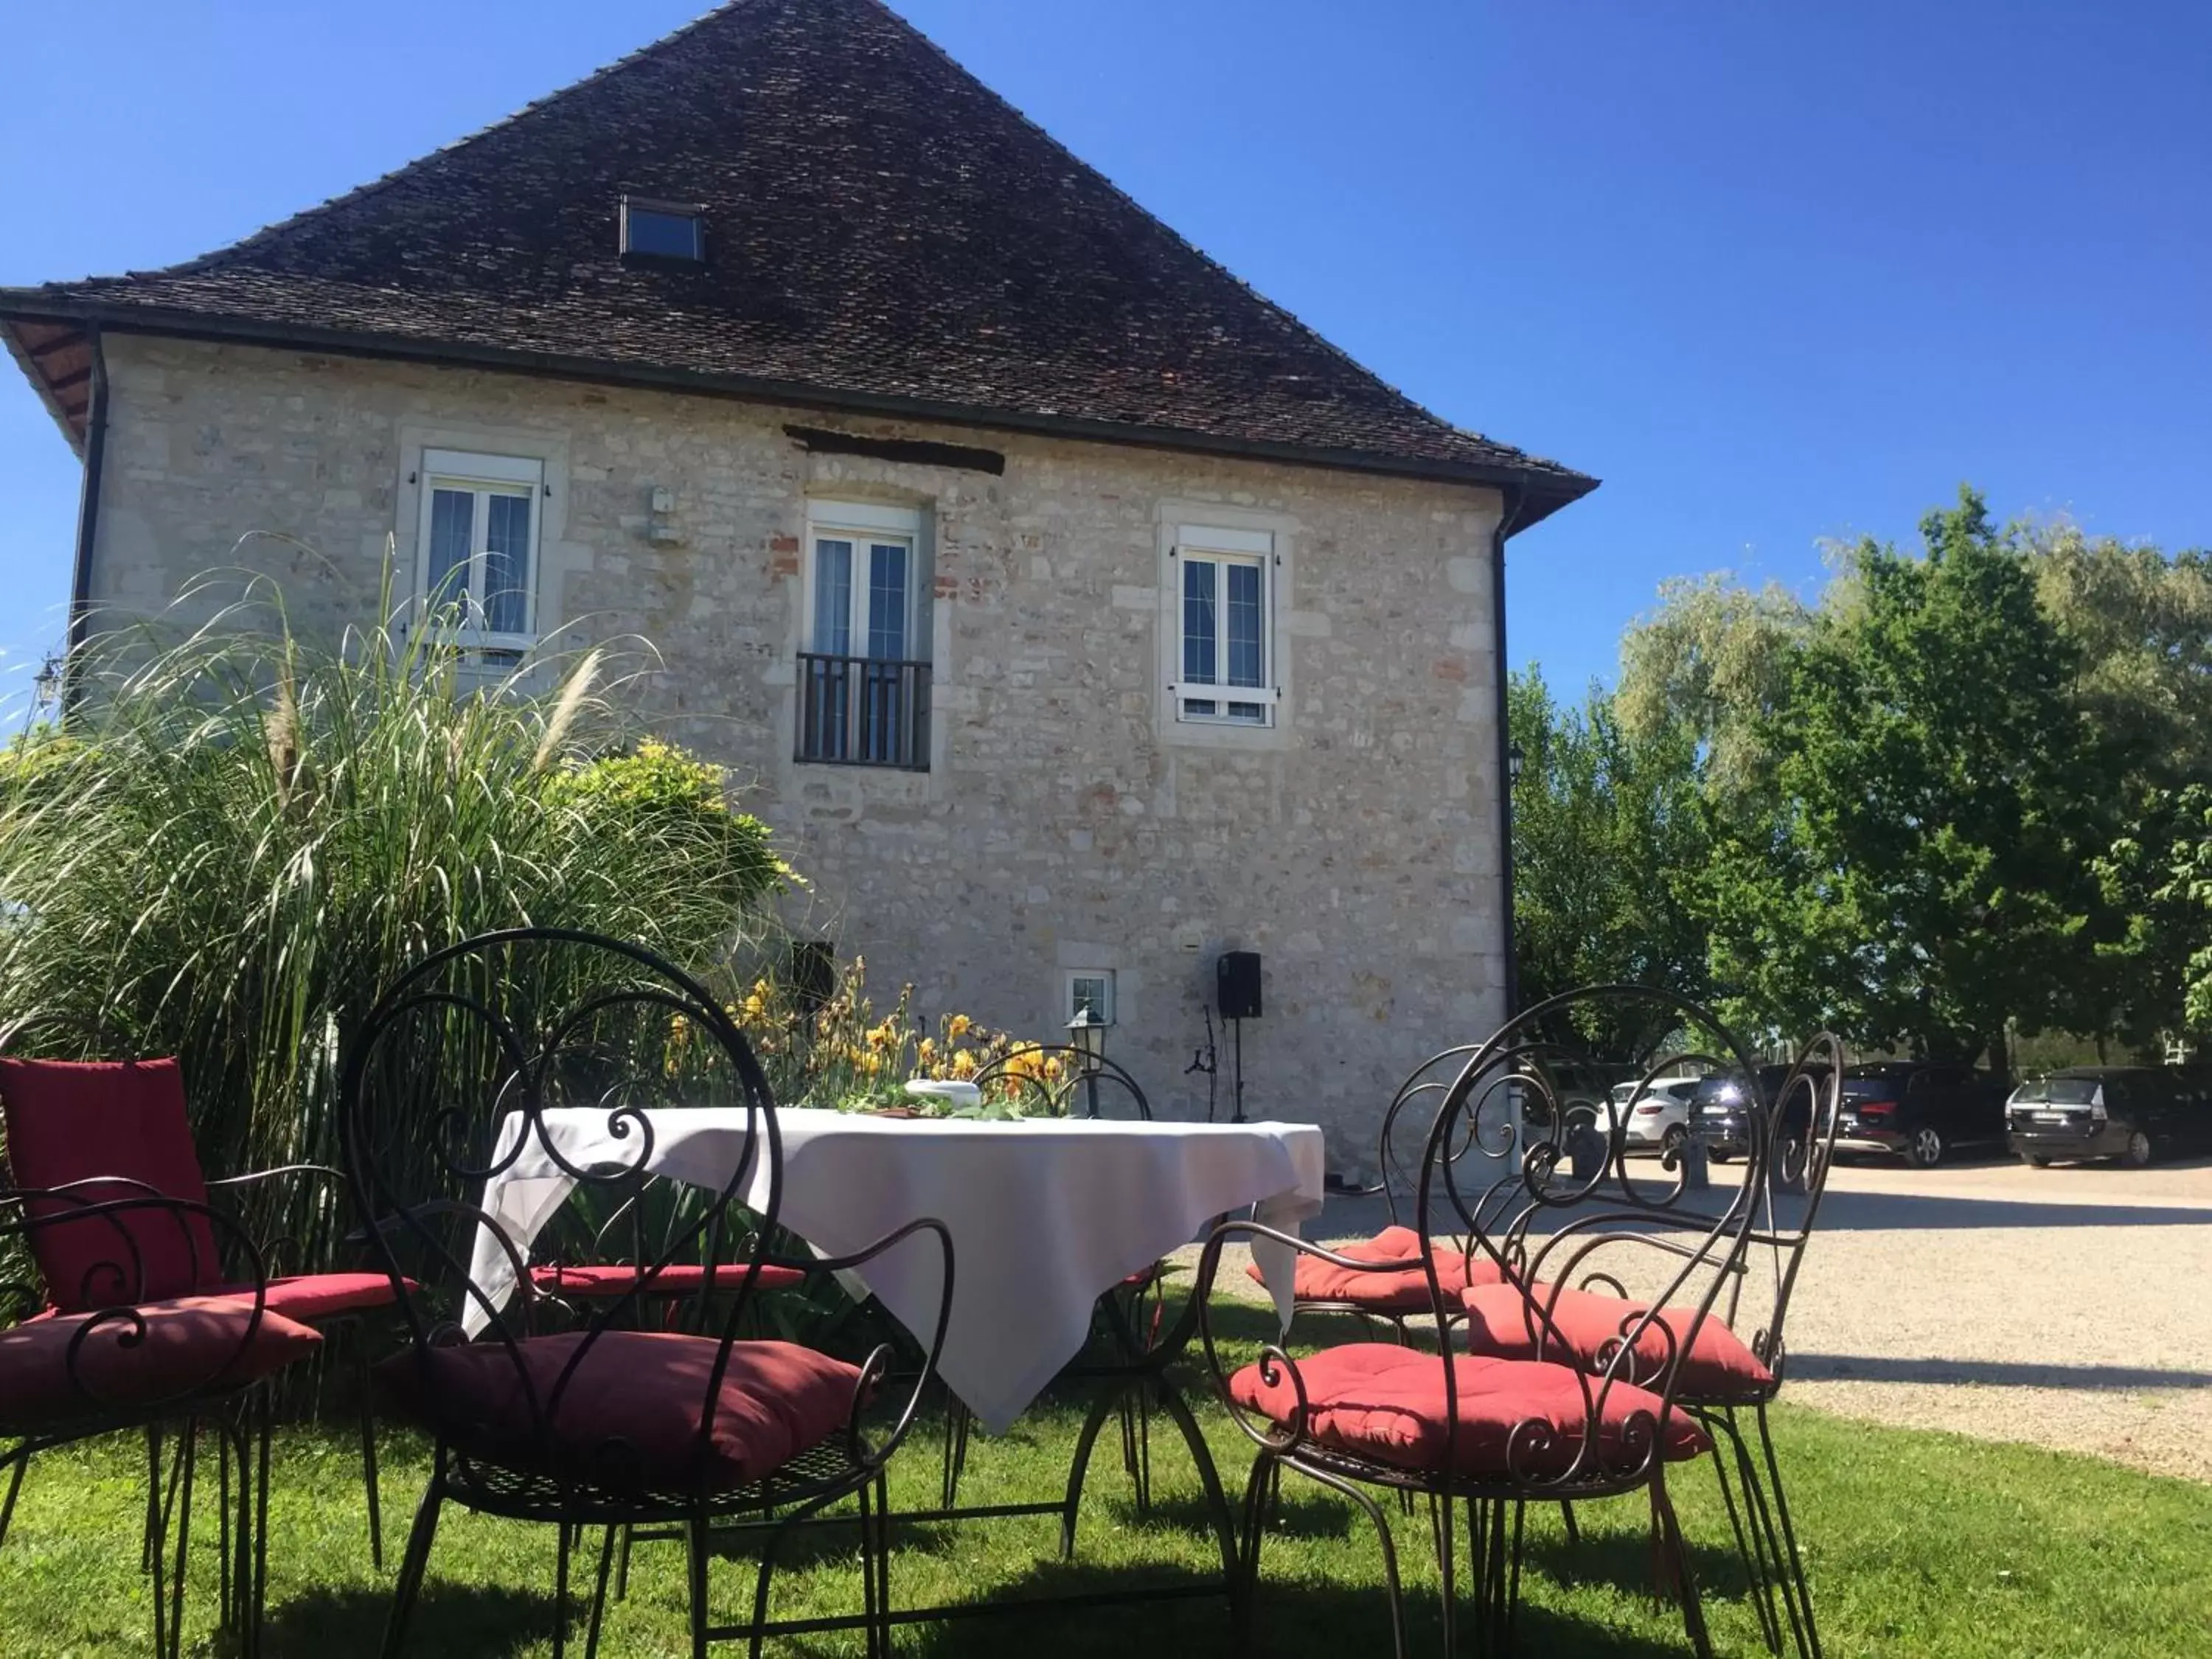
(1045, 1214)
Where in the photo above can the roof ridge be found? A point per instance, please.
(385, 180)
(1274, 306)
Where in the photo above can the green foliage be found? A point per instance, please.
(657, 793)
(1604, 827)
(1947, 800)
(1714, 662)
(1920, 870)
(246, 837)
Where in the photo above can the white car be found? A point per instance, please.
(1659, 1116)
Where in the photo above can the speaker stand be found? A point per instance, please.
(1237, 1050)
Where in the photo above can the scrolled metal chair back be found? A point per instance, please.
(1054, 1080)
(1403, 1138)
(505, 1055)
(1498, 1167)
(1801, 1118)
(120, 1289)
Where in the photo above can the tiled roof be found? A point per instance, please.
(883, 231)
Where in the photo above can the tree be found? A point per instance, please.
(1602, 825)
(1920, 869)
(2142, 624)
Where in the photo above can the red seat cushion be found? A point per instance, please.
(1403, 1293)
(194, 1344)
(71, 1121)
(611, 1280)
(1582, 1324)
(1382, 1401)
(628, 1420)
(321, 1295)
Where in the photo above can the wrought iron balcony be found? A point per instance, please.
(863, 711)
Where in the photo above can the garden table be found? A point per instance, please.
(1047, 1215)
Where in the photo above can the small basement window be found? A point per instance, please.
(663, 230)
(1092, 990)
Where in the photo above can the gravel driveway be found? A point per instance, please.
(2070, 1307)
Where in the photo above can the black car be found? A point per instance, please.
(2135, 1112)
(1918, 1109)
(1720, 1110)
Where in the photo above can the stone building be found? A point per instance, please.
(1076, 613)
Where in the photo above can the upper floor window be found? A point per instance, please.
(864, 686)
(479, 537)
(663, 230)
(1225, 583)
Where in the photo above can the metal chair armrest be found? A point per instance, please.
(877, 1363)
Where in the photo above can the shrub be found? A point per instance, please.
(244, 837)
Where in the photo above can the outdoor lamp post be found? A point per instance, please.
(1086, 1035)
(1515, 757)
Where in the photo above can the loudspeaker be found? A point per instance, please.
(1237, 984)
(813, 975)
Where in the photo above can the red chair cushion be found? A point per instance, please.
(628, 1420)
(322, 1296)
(195, 1344)
(612, 1280)
(1401, 1293)
(1718, 1366)
(68, 1121)
(1382, 1401)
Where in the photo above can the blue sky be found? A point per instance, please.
(1775, 273)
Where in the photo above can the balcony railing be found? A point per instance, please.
(863, 711)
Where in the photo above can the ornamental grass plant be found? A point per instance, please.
(242, 834)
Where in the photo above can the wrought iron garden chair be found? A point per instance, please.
(501, 1044)
(1722, 1373)
(137, 1354)
(1320, 1286)
(126, 1123)
(1488, 1432)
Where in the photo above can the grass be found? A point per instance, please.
(1918, 1544)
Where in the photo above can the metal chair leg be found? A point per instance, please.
(696, 1564)
(371, 1485)
(153, 1498)
(19, 1460)
(1744, 1526)
(568, 1534)
(418, 1558)
(599, 1595)
(1809, 1634)
(1677, 1554)
(1390, 1581)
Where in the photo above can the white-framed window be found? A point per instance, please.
(862, 580)
(1091, 988)
(479, 545)
(1224, 588)
(864, 676)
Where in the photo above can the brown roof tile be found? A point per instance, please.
(882, 228)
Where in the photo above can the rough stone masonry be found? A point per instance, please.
(1066, 818)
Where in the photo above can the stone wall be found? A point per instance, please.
(1066, 820)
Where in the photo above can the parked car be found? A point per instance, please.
(1659, 1116)
(2135, 1112)
(1918, 1109)
(1721, 1108)
(1583, 1089)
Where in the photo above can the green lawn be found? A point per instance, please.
(1919, 1544)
